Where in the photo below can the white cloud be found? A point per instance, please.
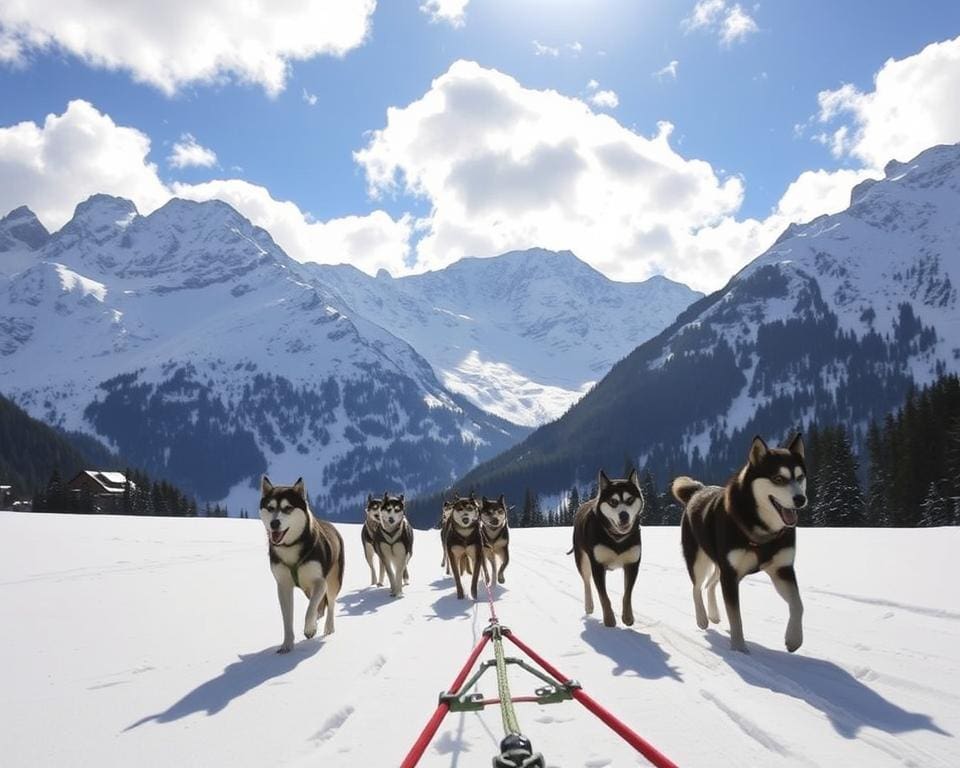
(605, 99)
(503, 167)
(668, 71)
(737, 25)
(178, 42)
(11, 52)
(592, 85)
(731, 23)
(912, 106)
(451, 11)
(309, 98)
(54, 166)
(188, 153)
(814, 193)
(539, 49)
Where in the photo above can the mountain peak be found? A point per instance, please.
(22, 227)
(100, 211)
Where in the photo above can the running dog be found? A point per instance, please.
(747, 526)
(461, 537)
(371, 525)
(495, 535)
(394, 542)
(304, 552)
(606, 535)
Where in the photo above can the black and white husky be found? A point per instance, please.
(606, 535)
(742, 528)
(495, 535)
(461, 537)
(371, 524)
(394, 542)
(304, 552)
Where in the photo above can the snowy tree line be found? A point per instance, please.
(911, 477)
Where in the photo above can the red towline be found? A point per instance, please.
(636, 741)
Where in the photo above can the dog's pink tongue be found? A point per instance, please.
(276, 536)
(789, 516)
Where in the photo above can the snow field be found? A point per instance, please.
(151, 641)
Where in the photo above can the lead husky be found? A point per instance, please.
(394, 542)
(461, 537)
(304, 552)
(371, 525)
(606, 535)
(495, 535)
(744, 527)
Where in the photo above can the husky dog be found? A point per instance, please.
(745, 527)
(304, 552)
(461, 537)
(606, 535)
(445, 513)
(371, 525)
(495, 535)
(394, 542)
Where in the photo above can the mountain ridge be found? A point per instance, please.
(833, 323)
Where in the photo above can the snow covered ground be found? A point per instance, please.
(128, 641)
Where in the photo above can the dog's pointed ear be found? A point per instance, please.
(796, 446)
(384, 497)
(483, 499)
(758, 451)
(369, 498)
(265, 485)
(502, 501)
(603, 481)
(635, 479)
(299, 489)
(401, 498)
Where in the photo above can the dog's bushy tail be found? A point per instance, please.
(684, 487)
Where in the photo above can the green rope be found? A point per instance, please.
(510, 724)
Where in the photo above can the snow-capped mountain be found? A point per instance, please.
(832, 324)
(21, 236)
(522, 335)
(192, 344)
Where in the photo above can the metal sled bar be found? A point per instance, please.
(426, 736)
(461, 701)
(619, 727)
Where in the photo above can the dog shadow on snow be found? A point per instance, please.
(635, 653)
(848, 703)
(364, 600)
(246, 673)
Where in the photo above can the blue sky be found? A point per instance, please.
(746, 105)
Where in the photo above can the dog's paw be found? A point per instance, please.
(310, 630)
(702, 622)
(714, 618)
(793, 640)
(285, 648)
(739, 646)
(609, 620)
(628, 619)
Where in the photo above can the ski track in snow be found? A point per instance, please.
(161, 651)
